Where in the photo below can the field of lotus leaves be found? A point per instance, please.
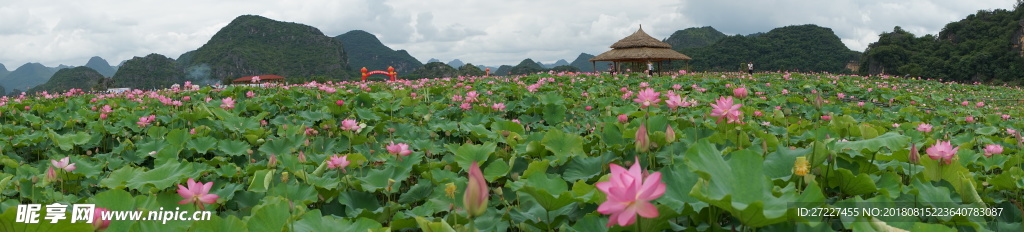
(544, 152)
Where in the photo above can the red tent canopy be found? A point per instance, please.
(262, 78)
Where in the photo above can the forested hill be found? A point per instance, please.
(694, 37)
(153, 71)
(365, 50)
(254, 45)
(790, 48)
(81, 77)
(984, 47)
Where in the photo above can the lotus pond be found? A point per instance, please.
(552, 150)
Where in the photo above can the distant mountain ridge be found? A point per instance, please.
(582, 62)
(27, 76)
(3, 73)
(100, 65)
(365, 50)
(456, 63)
(560, 62)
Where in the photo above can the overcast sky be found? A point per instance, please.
(480, 32)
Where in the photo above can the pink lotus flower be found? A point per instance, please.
(623, 118)
(1006, 117)
(98, 223)
(498, 106)
(145, 121)
(400, 149)
(924, 127)
(103, 116)
(979, 104)
(740, 92)
(758, 113)
(1011, 131)
(969, 119)
(725, 108)
(471, 96)
(340, 102)
(64, 163)
(629, 193)
(826, 117)
(588, 108)
(993, 149)
(965, 103)
(250, 94)
(942, 151)
(338, 162)
(107, 109)
(197, 193)
(860, 104)
(227, 103)
(895, 125)
(475, 198)
(647, 98)
(349, 125)
(678, 101)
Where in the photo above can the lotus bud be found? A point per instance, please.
(302, 157)
(272, 162)
(670, 134)
(51, 175)
(643, 142)
(914, 156)
(98, 223)
(818, 101)
(475, 198)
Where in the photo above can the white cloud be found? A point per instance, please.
(478, 32)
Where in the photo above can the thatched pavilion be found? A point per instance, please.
(638, 49)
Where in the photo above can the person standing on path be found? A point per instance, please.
(650, 69)
(750, 68)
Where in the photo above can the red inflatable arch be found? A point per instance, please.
(391, 73)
